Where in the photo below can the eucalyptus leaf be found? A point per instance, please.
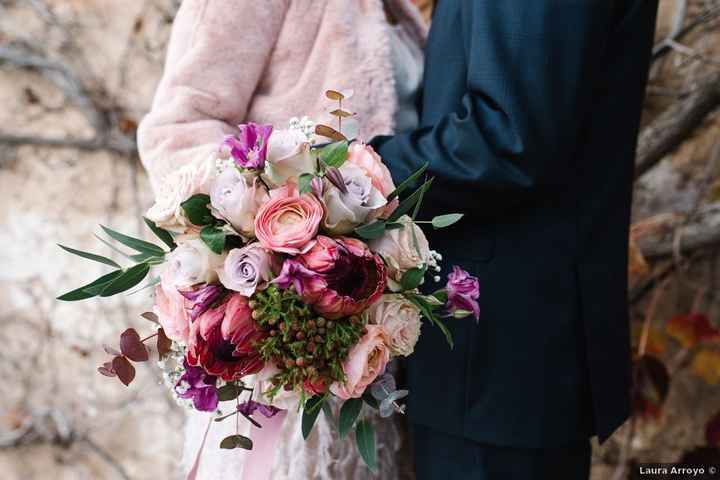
(334, 154)
(236, 441)
(305, 182)
(86, 291)
(165, 236)
(90, 256)
(410, 202)
(129, 278)
(365, 439)
(197, 211)
(371, 231)
(214, 238)
(408, 182)
(135, 243)
(310, 413)
(442, 221)
(229, 392)
(139, 257)
(428, 312)
(349, 412)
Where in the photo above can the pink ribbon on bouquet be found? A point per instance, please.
(258, 461)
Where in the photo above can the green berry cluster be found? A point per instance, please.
(301, 344)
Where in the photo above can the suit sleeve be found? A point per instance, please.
(217, 53)
(528, 89)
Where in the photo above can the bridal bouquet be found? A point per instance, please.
(289, 272)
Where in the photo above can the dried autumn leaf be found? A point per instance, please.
(341, 113)
(151, 317)
(334, 95)
(124, 369)
(706, 365)
(329, 132)
(637, 265)
(712, 431)
(691, 329)
(656, 343)
(132, 347)
(164, 344)
(651, 386)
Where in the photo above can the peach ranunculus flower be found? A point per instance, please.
(365, 362)
(289, 222)
(401, 319)
(170, 309)
(365, 157)
(177, 187)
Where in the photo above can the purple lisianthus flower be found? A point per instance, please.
(201, 298)
(197, 385)
(463, 292)
(249, 147)
(249, 407)
(293, 272)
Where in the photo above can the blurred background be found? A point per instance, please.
(76, 76)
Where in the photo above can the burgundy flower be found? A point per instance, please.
(201, 298)
(463, 292)
(249, 148)
(197, 385)
(249, 407)
(222, 340)
(349, 277)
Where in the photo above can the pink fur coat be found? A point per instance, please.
(231, 61)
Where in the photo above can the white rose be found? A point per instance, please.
(347, 210)
(192, 262)
(398, 248)
(177, 187)
(236, 197)
(401, 320)
(288, 156)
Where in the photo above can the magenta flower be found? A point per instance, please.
(201, 298)
(249, 407)
(463, 292)
(197, 385)
(249, 148)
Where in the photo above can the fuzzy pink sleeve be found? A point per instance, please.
(218, 51)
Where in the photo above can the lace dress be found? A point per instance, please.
(324, 456)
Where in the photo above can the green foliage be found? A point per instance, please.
(442, 221)
(349, 412)
(371, 231)
(236, 441)
(305, 182)
(334, 154)
(408, 182)
(365, 439)
(214, 238)
(311, 410)
(429, 311)
(165, 236)
(135, 243)
(90, 256)
(197, 211)
(412, 278)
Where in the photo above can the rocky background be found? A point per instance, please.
(75, 78)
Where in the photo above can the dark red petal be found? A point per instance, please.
(132, 347)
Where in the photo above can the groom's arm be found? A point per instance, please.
(528, 92)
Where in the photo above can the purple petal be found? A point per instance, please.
(293, 272)
(206, 399)
(249, 407)
(463, 292)
(202, 298)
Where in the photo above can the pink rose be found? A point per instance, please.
(402, 250)
(365, 362)
(401, 319)
(288, 222)
(170, 309)
(365, 157)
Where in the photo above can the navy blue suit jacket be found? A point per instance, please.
(529, 121)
